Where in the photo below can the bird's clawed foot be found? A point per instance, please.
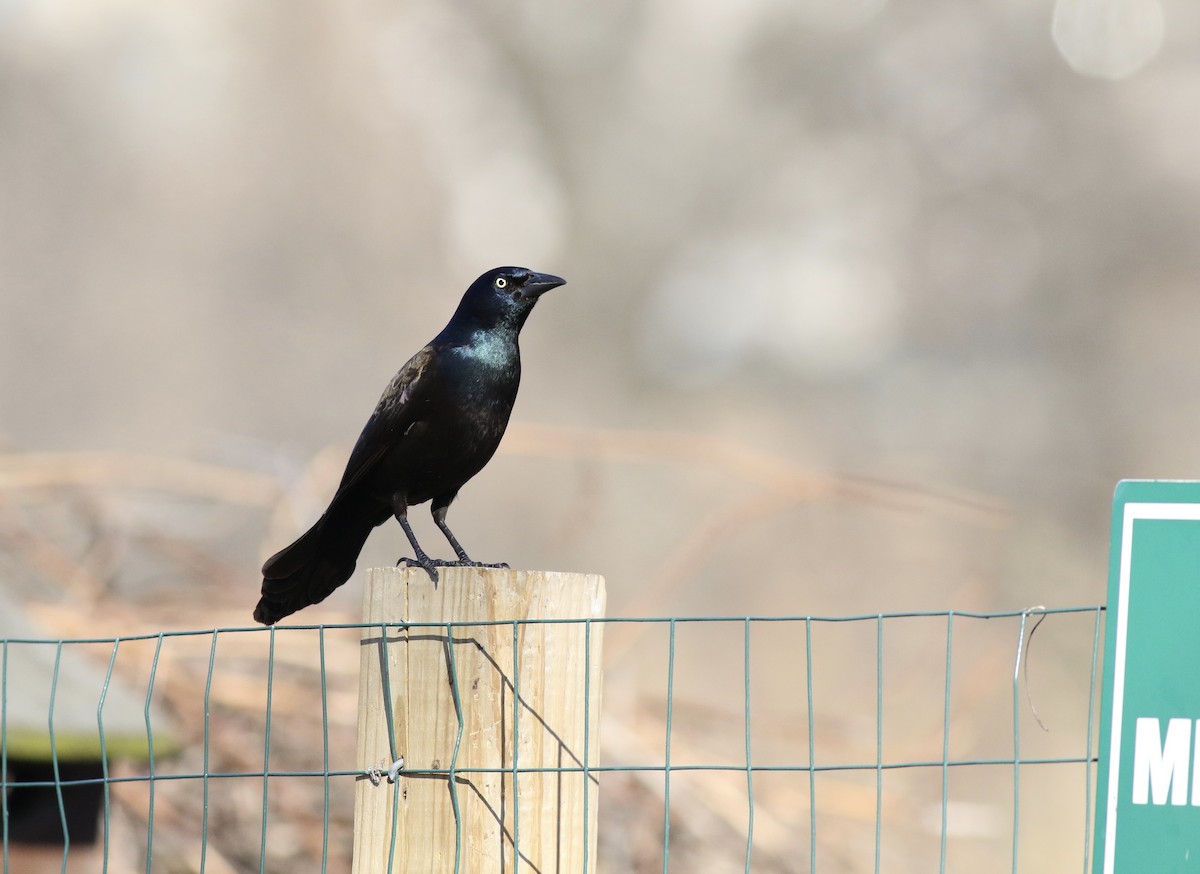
(468, 562)
(431, 565)
(422, 561)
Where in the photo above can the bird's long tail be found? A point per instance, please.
(311, 568)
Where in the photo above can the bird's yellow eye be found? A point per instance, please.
(501, 282)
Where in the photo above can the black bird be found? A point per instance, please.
(438, 423)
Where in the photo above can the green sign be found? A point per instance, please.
(1148, 806)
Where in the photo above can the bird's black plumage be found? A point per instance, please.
(438, 423)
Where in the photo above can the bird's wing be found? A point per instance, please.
(400, 409)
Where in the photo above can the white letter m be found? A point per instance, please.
(1159, 765)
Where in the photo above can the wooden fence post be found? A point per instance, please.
(475, 710)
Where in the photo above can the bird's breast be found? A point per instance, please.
(490, 351)
(465, 423)
(485, 372)
(478, 388)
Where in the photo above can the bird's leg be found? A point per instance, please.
(400, 508)
(439, 509)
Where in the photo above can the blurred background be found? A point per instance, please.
(870, 305)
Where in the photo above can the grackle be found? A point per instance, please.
(438, 423)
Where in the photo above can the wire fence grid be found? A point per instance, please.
(806, 743)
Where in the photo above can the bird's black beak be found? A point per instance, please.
(538, 284)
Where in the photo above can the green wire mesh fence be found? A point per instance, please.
(914, 741)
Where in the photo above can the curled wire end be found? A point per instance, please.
(1040, 609)
(393, 772)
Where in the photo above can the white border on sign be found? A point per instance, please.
(1166, 512)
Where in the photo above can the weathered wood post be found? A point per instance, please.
(488, 686)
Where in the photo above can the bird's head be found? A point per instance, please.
(505, 295)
